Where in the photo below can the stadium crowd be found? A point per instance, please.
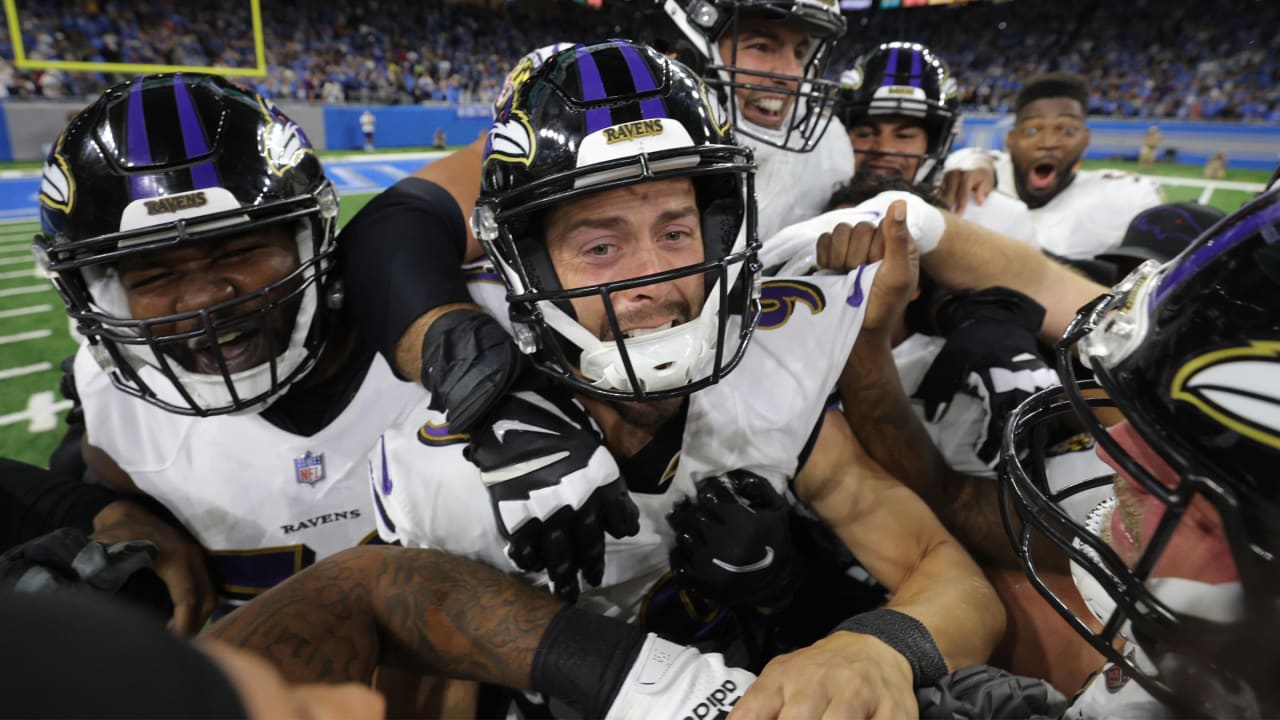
(1142, 59)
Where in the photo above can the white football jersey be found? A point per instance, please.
(761, 417)
(790, 186)
(1110, 693)
(1006, 215)
(1091, 215)
(264, 502)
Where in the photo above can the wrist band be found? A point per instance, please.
(583, 659)
(906, 635)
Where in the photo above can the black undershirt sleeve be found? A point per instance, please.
(401, 256)
(35, 501)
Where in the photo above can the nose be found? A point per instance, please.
(203, 289)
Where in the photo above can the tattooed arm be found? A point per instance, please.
(371, 605)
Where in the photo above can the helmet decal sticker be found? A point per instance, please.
(1238, 387)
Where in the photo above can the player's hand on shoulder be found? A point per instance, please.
(668, 680)
(844, 675)
(733, 542)
(968, 172)
(554, 487)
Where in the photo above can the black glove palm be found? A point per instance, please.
(554, 487)
(733, 546)
(979, 692)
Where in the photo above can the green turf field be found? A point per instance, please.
(34, 330)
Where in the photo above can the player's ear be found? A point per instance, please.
(1009, 136)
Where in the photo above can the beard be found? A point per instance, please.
(648, 415)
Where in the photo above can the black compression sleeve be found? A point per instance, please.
(35, 501)
(401, 256)
(584, 658)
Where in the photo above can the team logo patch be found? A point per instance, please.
(174, 203)
(851, 79)
(56, 185)
(511, 140)
(779, 298)
(1114, 678)
(284, 144)
(632, 131)
(309, 469)
(1237, 387)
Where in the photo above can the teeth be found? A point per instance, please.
(225, 338)
(769, 104)
(641, 332)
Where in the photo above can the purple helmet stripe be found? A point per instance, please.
(139, 146)
(1207, 251)
(890, 68)
(193, 140)
(592, 89)
(915, 69)
(642, 76)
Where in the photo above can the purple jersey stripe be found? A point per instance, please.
(592, 89)
(1208, 251)
(142, 186)
(193, 140)
(642, 76)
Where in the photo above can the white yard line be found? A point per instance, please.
(15, 274)
(17, 260)
(25, 336)
(25, 290)
(41, 413)
(25, 370)
(29, 310)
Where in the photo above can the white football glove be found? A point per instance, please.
(676, 681)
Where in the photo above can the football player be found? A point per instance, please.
(765, 61)
(1077, 213)
(622, 230)
(1171, 532)
(191, 230)
(899, 105)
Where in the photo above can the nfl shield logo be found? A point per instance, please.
(309, 468)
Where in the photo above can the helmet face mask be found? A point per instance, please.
(189, 164)
(1181, 558)
(599, 122)
(905, 80)
(806, 99)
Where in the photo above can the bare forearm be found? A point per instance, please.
(971, 256)
(409, 347)
(339, 619)
(948, 593)
(881, 416)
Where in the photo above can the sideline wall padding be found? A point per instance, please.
(404, 125)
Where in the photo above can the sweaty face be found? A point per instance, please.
(888, 146)
(1046, 145)
(627, 233)
(197, 276)
(765, 46)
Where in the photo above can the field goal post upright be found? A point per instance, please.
(20, 59)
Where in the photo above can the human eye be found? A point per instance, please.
(144, 278)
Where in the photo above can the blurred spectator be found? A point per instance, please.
(438, 141)
(1216, 167)
(368, 124)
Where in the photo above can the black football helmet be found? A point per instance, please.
(164, 160)
(901, 78)
(1188, 353)
(602, 117)
(704, 22)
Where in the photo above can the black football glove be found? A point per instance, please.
(990, 353)
(979, 692)
(733, 545)
(555, 488)
(469, 363)
(66, 559)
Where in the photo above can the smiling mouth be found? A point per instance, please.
(641, 332)
(765, 110)
(239, 348)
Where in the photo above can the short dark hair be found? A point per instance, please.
(864, 187)
(1052, 85)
